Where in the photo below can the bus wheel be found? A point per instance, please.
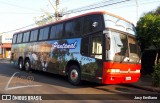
(27, 65)
(20, 64)
(74, 75)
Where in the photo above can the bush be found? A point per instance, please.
(156, 75)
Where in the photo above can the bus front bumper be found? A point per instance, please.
(120, 78)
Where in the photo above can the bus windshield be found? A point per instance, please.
(134, 50)
(120, 47)
(125, 48)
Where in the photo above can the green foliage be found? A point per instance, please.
(157, 12)
(148, 29)
(156, 75)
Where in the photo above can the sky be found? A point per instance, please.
(15, 14)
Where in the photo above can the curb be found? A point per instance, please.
(4, 61)
(152, 89)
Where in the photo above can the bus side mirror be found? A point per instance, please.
(107, 42)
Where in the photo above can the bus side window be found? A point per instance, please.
(73, 28)
(69, 29)
(97, 47)
(92, 24)
(26, 36)
(59, 31)
(14, 38)
(34, 35)
(31, 37)
(77, 27)
(85, 46)
(43, 35)
(19, 39)
(53, 32)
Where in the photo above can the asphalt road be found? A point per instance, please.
(49, 87)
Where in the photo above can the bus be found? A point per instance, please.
(97, 46)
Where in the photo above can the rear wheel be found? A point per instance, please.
(27, 65)
(74, 75)
(20, 64)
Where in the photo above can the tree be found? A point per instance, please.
(48, 17)
(148, 30)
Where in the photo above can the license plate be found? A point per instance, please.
(128, 78)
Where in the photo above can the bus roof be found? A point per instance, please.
(90, 13)
(105, 12)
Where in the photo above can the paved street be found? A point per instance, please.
(14, 81)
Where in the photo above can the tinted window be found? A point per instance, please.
(43, 35)
(34, 35)
(19, 40)
(85, 46)
(92, 23)
(77, 27)
(53, 32)
(72, 29)
(59, 30)
(56, 31)
(14, 38)
(26, 36)
(69, 29)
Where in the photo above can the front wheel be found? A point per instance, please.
(27, 65)
(74, 75)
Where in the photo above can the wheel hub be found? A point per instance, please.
(27, 66)
(74, 75)
(20, 65)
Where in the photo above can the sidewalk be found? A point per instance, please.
(145, 82)
(4, 60)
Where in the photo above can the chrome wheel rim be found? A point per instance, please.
(20, 65)
(74, 75)
(27, 66)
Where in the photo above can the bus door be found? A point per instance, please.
(92, 57)
(92, 47)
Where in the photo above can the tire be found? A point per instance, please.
(20, 64)
(74, 75)
(27, 65)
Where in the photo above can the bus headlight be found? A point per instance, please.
(137, 71)
(113, 70)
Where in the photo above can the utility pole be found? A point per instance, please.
(55, 8)
(137, 6)
(57, 13)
